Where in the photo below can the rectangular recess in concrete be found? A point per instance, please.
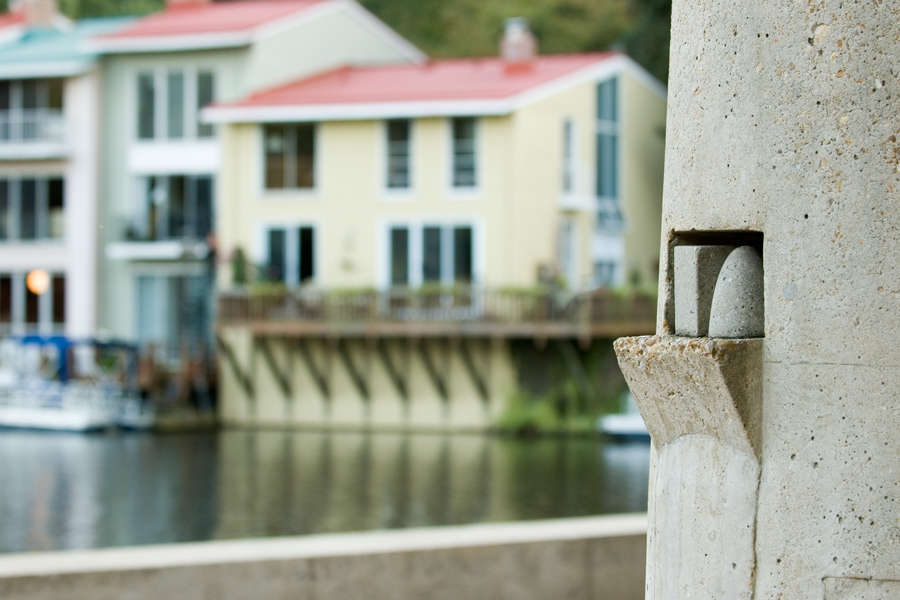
(735, 238)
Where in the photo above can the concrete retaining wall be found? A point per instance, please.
(586, 558)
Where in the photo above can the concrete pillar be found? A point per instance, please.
(775, 459)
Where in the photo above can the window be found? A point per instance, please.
(173, 311)
(446, 255)
(6, 292)
(32, 307)
(169, 103)
(31, 110)
(277, 259)
(28, 209)
(173, 207)
(568, 164)
(146, 112)
(32, 208)
(206, 95)
(398, 154)
(291, 254)
(21, 309)
(567, 252)
(5, 218)
(604, 273)
(462, 255)
(431, 254)
(175, 105)
(289, 156)
(399, 256)
(464, 153)
(607, 172)
(56, 213)
(58, 299)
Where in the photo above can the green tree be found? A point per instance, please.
(445, 28)
(647, 41)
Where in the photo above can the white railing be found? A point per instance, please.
(39, 125)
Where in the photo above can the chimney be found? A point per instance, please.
(38, 13)
(518, 44)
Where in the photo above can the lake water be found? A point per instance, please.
(60, 491)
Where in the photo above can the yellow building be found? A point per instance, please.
(485, 173)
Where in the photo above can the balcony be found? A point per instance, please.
(173, 243)
(536, 313)
(32, 134)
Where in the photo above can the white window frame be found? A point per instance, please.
(42, 116)
(415, 250)
(317, 161)
(42, 209)
(608, 127)
(45, 324)
(390, 193)
(569, 159)
(291, 247)
(161, 104)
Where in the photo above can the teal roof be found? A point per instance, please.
(55, 51)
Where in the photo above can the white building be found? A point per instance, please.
(49, 166)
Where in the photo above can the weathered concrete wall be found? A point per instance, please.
(783, 120)
(589, 558)
(345, 405)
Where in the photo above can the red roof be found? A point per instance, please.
(9, 19)
(215, 17)
(457, 79)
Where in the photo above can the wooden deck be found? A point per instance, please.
(402, 313)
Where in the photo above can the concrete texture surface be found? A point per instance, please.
(591, 558)
(696, 272)
(738, 307)
(696, 386)
(783, 120)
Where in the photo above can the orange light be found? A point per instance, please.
(37, 282)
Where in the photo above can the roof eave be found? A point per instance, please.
(169, 43)
(356, 111)
(38, 69)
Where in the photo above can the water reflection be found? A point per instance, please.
(62, 491)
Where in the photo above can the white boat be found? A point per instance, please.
(54, 406)
(30, 399)
(626, 426)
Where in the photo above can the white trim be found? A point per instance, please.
(35, 70)
(163, 250)
(355, 112)
(170, 43)
(432, 108)
(197, 156)
(463, 192)
(21, 150)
